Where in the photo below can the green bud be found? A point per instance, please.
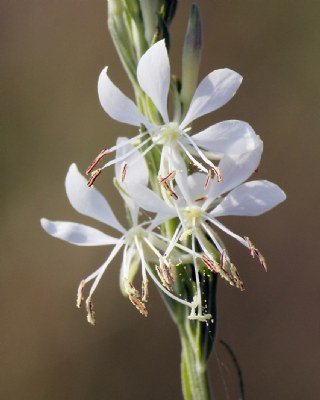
(149, 10)
(191, 57)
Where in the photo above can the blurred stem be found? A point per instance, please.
(195, 384)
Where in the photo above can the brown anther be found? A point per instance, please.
(164, 183)
(238, 282)
(201, 198)
(169, 177)
(211, 264)
(141, 307)
(164, 276)
(255, 252)
(90, 312)
(131, 290)
(96, 160)
(94, 176)
(80, 297)
(124, 171)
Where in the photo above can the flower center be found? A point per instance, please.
(168, 134)
(192, 216)
(135, 232)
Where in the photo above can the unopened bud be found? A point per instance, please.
(191, 57)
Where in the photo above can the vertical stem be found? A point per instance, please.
(194, 375)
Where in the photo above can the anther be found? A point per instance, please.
(255, 252)
(96, 160)
(164, 276)
(124, 171)
(211, 264)
(169, 177)
(145, 289)
(201, 198)
(164, 183)
(90, 312)
(94, 176)
(80, 297)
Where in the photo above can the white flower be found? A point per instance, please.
(141, 246)
(198, 209)
(216, 89)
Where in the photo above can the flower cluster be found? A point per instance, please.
(175, 184)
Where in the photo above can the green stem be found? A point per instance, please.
(194, 376)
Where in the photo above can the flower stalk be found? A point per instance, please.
(175, 183)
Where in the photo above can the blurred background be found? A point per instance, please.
(51, 55)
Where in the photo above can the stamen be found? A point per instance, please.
(236, 276)
(255, 252)
(90, 312)
(163, 182)
(169, 177)
(80, 297)
(96, 160)
(208, 180)
(211, 264)
(164, 276)
(145, 289)
(134, 295)
(124, 171)
(229, 272)
(94, 176)
(201, 198)
(141, 307)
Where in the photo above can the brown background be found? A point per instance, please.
(51, 55)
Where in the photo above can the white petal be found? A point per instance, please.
(250, 199)
(153, 74)
(78, 234)
(215, 90)
(196, 183)
(89, 201)
(178, 164)
(117, 105)
(136, 173)
(235, 170)
(232, 137)
(137, 170)
(149, 200)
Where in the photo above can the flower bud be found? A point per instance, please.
(191, 57)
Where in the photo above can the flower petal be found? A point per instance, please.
(233, 137)
(153, 75)
(178, 164)
(196, 183)
(117, 105)
(150, 201)
(89, 201)
(235, 170)
(78, 234)
(137, 170)
(215, 90)
(136, 173)
(250, 199)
